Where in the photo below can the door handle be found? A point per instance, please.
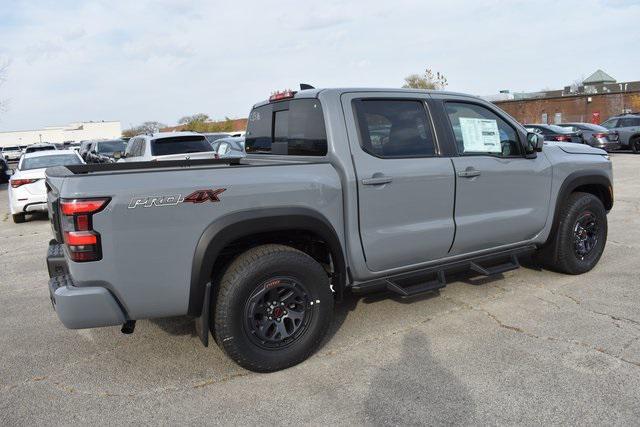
(377, 180)
(469, 173)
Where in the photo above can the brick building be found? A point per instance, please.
(596, 99)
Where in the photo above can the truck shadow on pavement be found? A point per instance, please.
(417, 390)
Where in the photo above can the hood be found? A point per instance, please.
(574, 148)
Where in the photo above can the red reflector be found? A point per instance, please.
(80, 238)
(15, 183)
(82, 222)
(563, 138)
(84, 256)
(82, 206)
(277, 96)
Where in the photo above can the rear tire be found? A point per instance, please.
(256, 333)
(635, 145)
(18, 218)
(580, 238)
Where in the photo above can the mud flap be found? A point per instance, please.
(202, 322)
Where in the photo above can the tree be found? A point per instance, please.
(575, 84)
(428, 80)
(198, 117)
(218, 126)
(146, 127)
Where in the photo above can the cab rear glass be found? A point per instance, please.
(294, 127)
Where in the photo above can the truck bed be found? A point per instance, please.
(133, 167)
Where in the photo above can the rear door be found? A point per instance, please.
(502, 197)
(405, 186)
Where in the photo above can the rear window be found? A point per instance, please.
(294, 128)
(43, 148)
(49, 161)
(179, 145)
(11, 148)
(560, 129)
(111, 146)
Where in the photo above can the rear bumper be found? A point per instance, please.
(607, 145)
(79, 307)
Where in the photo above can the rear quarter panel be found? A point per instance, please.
(148, 251)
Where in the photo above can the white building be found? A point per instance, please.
(73, 132)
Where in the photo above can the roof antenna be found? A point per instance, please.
(304, 86)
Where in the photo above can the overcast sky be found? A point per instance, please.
(140, 60)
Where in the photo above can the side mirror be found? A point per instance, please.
(535, 142)
(117, 155)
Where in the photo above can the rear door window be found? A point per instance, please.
(294, 128)
(394, 128)
(629, 122)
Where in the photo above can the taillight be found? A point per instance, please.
(562, 138)
(77, 226)
(599, 135)
(15, 183)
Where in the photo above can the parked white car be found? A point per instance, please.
(168, 146)
(27, 192)
(11, 153)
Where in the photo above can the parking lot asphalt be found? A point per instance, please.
(529, 347)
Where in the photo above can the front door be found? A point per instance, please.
(502, 197)
(405, 189)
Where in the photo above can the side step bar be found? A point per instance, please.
(405, 284)
(418, 289)
(512, 264)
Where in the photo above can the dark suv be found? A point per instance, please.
(628, 128)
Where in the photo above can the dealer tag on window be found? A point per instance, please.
(480, 135)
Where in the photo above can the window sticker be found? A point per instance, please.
(480, 135)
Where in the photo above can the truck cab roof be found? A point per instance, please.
(314, 93)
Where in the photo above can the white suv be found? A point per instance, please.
(168, 146)
(11, 153)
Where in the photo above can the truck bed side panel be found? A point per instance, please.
(148, 251)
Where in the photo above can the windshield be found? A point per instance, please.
(596, 128)
(48, 161)
(110, 146)
(179, 145)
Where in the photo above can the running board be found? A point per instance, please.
(395, 283)
(417, 289)
(512, 264)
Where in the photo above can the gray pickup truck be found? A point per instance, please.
(342, 190)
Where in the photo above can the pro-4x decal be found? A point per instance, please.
(197, 197)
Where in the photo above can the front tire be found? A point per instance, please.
(581, 235)
(18, 218)
(273, 308)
